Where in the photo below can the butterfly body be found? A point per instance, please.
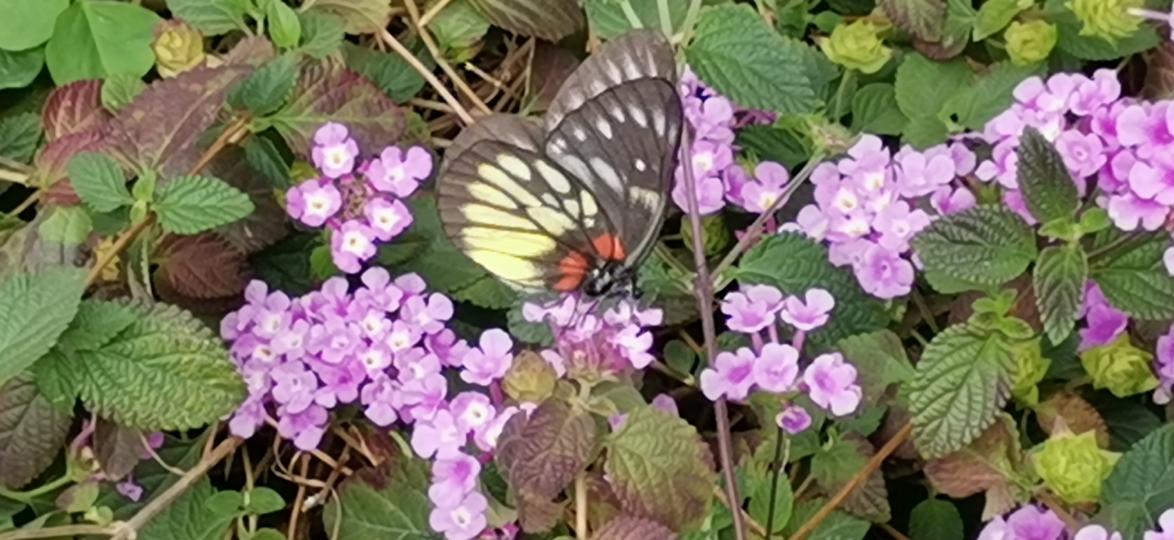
(574, 202)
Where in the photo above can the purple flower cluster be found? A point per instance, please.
(717, 177)
(1032, 522)
(869, 205)
(361, 202)
(384, 346)
(772, 366)
(591, 345)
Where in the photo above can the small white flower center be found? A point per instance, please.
(846, 201)
(354, 243)
(461, 517)
(703, 161)
(336, 155)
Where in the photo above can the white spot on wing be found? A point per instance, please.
(606, 173)
(514, 166)
(604, 127)
(658, 120)
(553, 177)
(485, 192)
(631, 68)
(580, 133)
(644, 196)
(555, 221)
(613, 71)
(638, 115)
(616, 109)
(640, 165)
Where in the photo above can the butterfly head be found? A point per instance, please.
(609, 280)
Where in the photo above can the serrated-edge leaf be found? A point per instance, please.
(541, 454)
(388, 502)
(1143, 478)
(35, 309)
(99, 181)
(1045, 181)
(985, 244)
(193, 204)
(267, 88)
(935, 519)
(962, 380)
(189, 517)
(1133, 276)
(737, 54)
(96, 324)
(165, 371)
(551, 20)
(1060, 274)
(211, 17)
(922, 18)
(32, 431)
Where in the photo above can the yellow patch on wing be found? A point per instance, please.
(504, 182)
(489, 215)
(530, 245)
(485, 192)
(555, 221)
(507, 266)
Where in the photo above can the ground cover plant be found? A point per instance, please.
(272, 269)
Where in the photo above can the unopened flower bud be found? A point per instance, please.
(857, 46)
(1119, 366)
(1030, 42)
(1108, 19)
(1074, 466)
(178, 48)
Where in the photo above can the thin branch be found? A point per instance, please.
(460, 83)
(64, 531)
(427, 74)
(889, 530)
(117, 248)
(704, 292)
(755, 527)
(433, 12)
(299, 500)
(581, 506)
(163, 500)
(855, 482)
(14, 177)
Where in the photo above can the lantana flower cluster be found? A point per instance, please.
(771, 365)
(870, 204)
(590, 344)
(359, 201)
(1032, 522)
(385, 347)
(712, 119)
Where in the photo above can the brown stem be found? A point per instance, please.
(755, 526)
(703, 289)
(427, 74)
(855, 482)
(430, 44)
(64, 531)
(120, 244)
(889, 530)
(299, 500)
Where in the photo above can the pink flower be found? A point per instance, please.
(710, 194)
(387, 219)
(1083, 154)
(770, 181)
(731, 376)
(472, 410)
(1128, 212)
(884, 274)
(951, 201)
(1100, 91)
(1165, 530)
(398, 172)
(665, 403)
(897, 225)
(753, 308)
(304, 428)
(777, 367)
(439, 436)
(831, 383)
(381, 398)
(809, 313)
(793, 419)
(334, 151)
(1149, 182)
(428, 313)
(452, 479)
(1096, 532)
(313, 202)
(1105, 322)
(1027, 523)
(350, 245)
(129, 489)
(491, 360)
(463, 521)
(920, 174)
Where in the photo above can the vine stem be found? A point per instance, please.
(581, 506)
(703, 289)
(854, 483)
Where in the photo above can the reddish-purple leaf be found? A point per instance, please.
(627, 527)
(31, 431)
(328, 92)
(51, 164)
(204, 266)
(538, 515)
(74, 108)
(164, 126)
(980, 465)
(539, 455)
(267, 224)
(117, 448)
(251, 51)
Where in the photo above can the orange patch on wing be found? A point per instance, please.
(573, 269)
(609, 247)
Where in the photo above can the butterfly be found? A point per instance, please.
(574, 201)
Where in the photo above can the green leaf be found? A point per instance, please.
(389, 502)
(264, 157)
(32, 431)
(211, 17)
(989, 95)
(119, 90)
(1047, 186)
(225, 503)
(880, 361)
(737, 54)
(923, 87)
(28, 23)
(165, 371)
(99, 181)
(263, 500)
(679, 356)
(935, 519)
(189, 517)
(962, 381)
(986, 244)
(267, 88)
(20, 68)
(284, 26)
(193, 204)
(551, 20)
(34, 311)
(541, 455)
(96, 324)
(322, 34)
(388, 71)
(459, 29)
(994, 15)
(760, 508)
(1141, 486)
(19, 135)
(774, 143)
(875, 110)
(67, 225)
(357, 16)
(608, 20)
(94, 39)
(794, 264)
(1132, 274)
(837, 526)
(1096, 47)
(1059, 279)
(922, 18)
(658, 468)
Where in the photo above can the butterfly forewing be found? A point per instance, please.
(541, 208)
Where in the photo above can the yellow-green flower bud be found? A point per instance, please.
(1109, 19)
(1119, 366)
(530, 378)
(857, 46)
(1030, 42)
(1030, 368)
(1073, 466)
(178, 48)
